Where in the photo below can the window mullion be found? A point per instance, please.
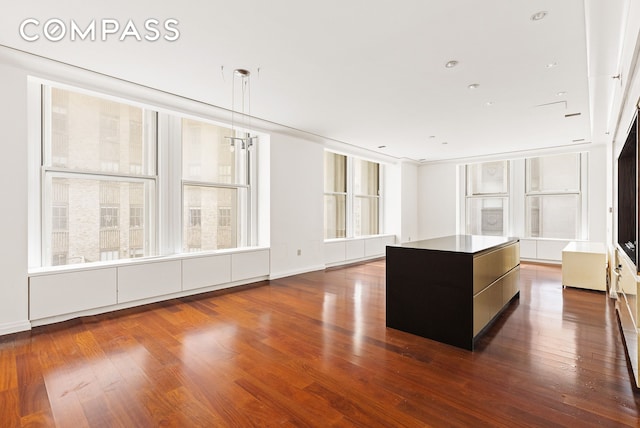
(170, 187)
(350, 198)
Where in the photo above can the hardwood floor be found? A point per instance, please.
(313, 350)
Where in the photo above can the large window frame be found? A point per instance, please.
(55, 167)
(158, 215)
(481, 191)
(575, 193)
(234, 179)
(354, 193)
(521, 193)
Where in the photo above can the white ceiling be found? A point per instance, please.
(370, 72)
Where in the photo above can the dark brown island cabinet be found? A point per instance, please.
(452, 288)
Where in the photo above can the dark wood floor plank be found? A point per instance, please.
(313, 350)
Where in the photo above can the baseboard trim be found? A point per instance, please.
(14, 327)
(285, 274)
(345, 263)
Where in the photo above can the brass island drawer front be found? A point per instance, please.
(490, 301)
(492, 265)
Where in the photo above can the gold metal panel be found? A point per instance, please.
(510, 285)
(492, 299)
(490, 266)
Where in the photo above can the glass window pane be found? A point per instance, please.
(558, 173)
(487, 216)
(206, 154)
(366, 177)
(335, 216)
(335, 173)
(552, 216)
(210, 219)
(90, 220)
(365, 216)
(94, 134)
(487, 178)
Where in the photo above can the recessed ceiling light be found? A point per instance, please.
(451, 63)
(474, 86)
(444, 142)
(561, 94)
(538, 15)
(381, 147)
(432, 136)
(551, 65)
(489, 103)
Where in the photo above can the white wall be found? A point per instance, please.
(297, 205)
(13, 217)
(598, 206)
(437, 190)
(409, 201)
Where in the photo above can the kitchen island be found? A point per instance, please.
(451, 289)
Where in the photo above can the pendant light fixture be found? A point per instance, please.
(240, 137)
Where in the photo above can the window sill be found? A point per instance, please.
(33, 272)
(356, 238)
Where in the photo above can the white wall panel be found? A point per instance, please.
(64, 293)
(335, 252)
(437, 200)
(248, 265)
(201, 272)
(388, 240)
(148, 280)
(528, 249)
(296, 205)
(355, 249)
(14, 292)
(374, 247)
(409, 204)
(551, 249)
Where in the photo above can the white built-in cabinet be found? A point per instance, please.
(343, 251)
(65, 294)
(627, 286)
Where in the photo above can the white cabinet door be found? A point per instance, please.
(205, 271)
(66, 293)
(251, 264)
(148, 280)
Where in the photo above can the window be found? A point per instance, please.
(136, 221)
(102, 163)
(195, 217)
(224, 217)
(335, 195)
(135, 144)
(97, 164)
(487, 198)
(136, 215)
(60, 224)
(351, 196)
(225, 225)
(554, 196)
(215, 188)
(366, 207)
